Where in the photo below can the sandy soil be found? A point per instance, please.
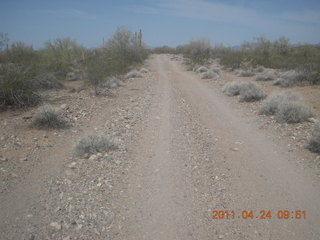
(184, 151)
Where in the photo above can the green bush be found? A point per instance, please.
(116, 57)
(59, 55)
(16, 88)
(199, 51)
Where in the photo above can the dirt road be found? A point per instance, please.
(189, 151)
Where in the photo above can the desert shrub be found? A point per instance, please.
(133, 74)
(293, 112)
(271, 105)
(250, 92)
(209, 75)
(16, 87)
(93, 143)
(48, 117)
(232, 88)
(266, 76)
(314, 143)
(246, 74)
(201, 69)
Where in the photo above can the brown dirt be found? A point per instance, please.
(184, 150)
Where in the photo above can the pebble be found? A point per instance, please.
(235, 149)
(55, 225)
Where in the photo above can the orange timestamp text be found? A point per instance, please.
(262, 214)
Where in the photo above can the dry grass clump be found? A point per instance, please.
(232, 88)
(133, 74)
(48, 117)
(271, 105)
(250, 92)
(293, 112)
(314, 143)
(93, 143)
(287, 107)
(201, 69)
(209, 75)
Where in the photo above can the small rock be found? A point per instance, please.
(72, 165)
(23, 159)
(63, 106)
(93, 157)
(313, 120)
(235, 149)
(221, 236)
(55, 225)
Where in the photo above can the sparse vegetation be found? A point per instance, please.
(279, 54)
(250, 92)
(93, 143)
(48, 118)
(314, 143)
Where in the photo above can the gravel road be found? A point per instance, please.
(185, 150)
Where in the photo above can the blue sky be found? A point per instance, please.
(163, 22)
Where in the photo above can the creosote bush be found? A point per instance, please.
(314, 143)
(93, 143)
(48, 117)
(250, 92)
